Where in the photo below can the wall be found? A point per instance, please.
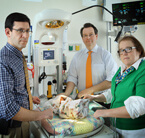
(93, 15)
(139, 34)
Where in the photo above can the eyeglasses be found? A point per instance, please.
(86, 36)
(127, 50)
(20, 31)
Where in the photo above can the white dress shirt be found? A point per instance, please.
(103, 67)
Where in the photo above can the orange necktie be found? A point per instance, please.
(27, 83)
(89, 71)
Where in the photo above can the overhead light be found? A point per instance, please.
(54, 24)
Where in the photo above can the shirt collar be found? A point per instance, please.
(94, 49)
(135, 65)
(14, 50)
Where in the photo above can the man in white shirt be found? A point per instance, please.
(103, 65)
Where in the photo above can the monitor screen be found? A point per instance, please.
(48, 54)
(131, 13)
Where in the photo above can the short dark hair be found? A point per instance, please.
(19, 17)
(87, 25)
(136, 43)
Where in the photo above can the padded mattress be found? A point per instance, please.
(74, 127)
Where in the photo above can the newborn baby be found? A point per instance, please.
(68, 108)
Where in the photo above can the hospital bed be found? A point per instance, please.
(105, 130)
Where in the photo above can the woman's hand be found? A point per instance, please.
(99, 113)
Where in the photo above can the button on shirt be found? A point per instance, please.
(103, 67)
(13, 92)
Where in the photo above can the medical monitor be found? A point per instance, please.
(48, 54)
(131, 13)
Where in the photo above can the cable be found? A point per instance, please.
(42, 76)
(119, 33)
